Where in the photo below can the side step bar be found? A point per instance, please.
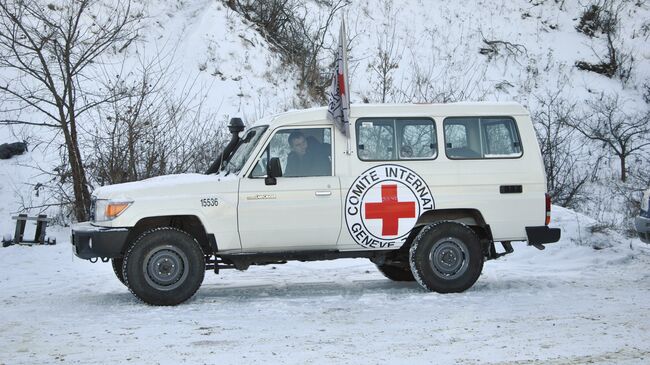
(507, 247)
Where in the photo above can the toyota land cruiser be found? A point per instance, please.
(423, 191)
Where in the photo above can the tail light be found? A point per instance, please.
(548, 209)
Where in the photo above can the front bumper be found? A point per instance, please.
(642, 226)
(540, 235)
(89, 241)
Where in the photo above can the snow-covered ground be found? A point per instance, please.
(569, 304)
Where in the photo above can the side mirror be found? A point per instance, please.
(273, 170)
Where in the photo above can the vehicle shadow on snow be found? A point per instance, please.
(117, 298)
(493, 285)
(355, 289)
(288, 290)
(252, 292)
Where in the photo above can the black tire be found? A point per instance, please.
(117, 268)
(164, 266)
(396, 273)
(446, 257)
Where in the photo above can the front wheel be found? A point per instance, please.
(165, 266)
(446, 257)
(396, 273)
(117, 268)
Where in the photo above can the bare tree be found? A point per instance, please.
(560, 152)
(49, 51)
(609, 123)
(388, 56)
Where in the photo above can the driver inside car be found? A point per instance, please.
(308, 157)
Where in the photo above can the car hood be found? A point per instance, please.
(168, 185)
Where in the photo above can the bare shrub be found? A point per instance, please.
(287, 26)
(646, 91)
(590, 20)
(494, 48)
(428, 82)
(604, 17)
(156, 130)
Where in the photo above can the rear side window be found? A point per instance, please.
(390, 139)
(475, 138)
(376, 139)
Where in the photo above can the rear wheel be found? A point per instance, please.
(396, 273)
(446, 257)
(165, 266)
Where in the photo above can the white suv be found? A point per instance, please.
(423, 191)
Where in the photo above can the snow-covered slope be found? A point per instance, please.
(441, 41)
(239, 72)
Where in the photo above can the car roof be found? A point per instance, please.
(399, 110)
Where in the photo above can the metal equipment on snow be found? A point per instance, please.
(39, 234)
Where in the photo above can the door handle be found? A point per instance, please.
(323, 193)
(510, 189)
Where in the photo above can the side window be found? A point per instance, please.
(455, 135)
(471, 138)
(417, 139)
(302, 152)
(376, 139)
(501, 138)
(390, 139)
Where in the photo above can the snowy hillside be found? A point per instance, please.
(231, 62)
(443, 40)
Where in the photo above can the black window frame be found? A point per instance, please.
(279, 129)
(494, 117)
(397, 138)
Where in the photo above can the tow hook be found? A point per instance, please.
(95, 259)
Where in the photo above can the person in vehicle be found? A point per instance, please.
(406, 152)
(308, 157)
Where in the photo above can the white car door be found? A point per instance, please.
(301, 211)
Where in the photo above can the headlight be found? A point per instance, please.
(644, 201)
(106, 210)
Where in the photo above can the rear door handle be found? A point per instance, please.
(323, 193)
(510, 189)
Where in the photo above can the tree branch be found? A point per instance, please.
(12, 122)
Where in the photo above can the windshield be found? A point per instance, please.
(244, 150)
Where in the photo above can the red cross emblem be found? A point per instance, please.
(390, 210)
